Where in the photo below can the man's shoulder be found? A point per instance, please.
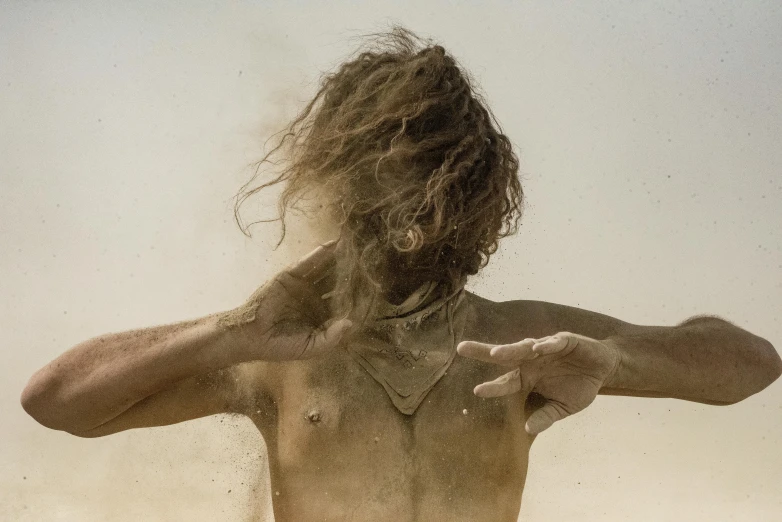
(500, 309)
(535, 319)
(513, 320)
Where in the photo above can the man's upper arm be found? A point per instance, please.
(584, 322)
(539, 319)
(220, 391)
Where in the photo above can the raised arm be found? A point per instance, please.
(704, 359)
(167, 374)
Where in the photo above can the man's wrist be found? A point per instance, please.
(617, 354)
(233, 343)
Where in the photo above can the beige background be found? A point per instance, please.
(650, 139)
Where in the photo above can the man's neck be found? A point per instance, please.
(401, 289)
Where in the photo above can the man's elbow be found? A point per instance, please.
(39, 400)
(773, 363)
(765, 368)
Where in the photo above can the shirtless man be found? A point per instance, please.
(383, 389)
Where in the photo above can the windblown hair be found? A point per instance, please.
(421, 179)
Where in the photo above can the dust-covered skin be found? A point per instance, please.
(458, 457)
(338, 448)
(246, 313)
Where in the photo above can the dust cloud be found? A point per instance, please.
(649, 143)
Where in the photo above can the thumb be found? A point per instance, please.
(542, 419)
(329, 336)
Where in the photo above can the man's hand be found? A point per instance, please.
(288, 318)
(567, 369)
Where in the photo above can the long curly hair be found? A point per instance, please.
(420, 178)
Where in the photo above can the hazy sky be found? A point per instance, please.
(649, 134)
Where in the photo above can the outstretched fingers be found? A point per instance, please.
(315, 264)
(504, 354)
(326, 338)
(475, 350)
(514, 352)
(552, 344)
(504, 385)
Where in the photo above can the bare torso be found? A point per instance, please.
(339, 450)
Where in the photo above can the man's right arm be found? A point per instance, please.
(148, 377)
(171, 373)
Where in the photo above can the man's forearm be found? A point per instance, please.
(705, 360)
(100, 378)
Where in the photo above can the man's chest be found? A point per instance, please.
(332, 412)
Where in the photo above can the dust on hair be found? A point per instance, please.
(420, 179)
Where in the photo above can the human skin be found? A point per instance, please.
(338, 449)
